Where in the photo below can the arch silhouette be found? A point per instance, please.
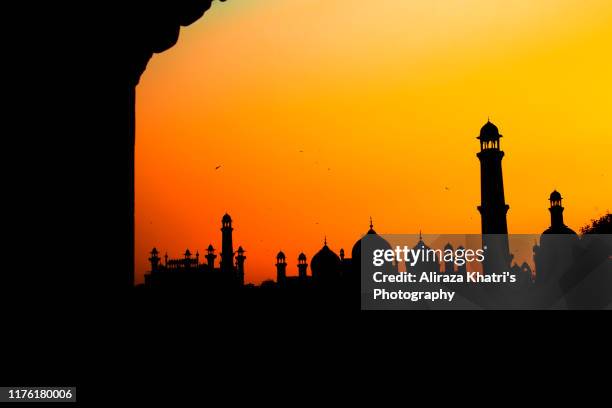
(156, 28)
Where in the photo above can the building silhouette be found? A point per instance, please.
(493, 207)
(189, 272)
(562, 259)
(558, 245)
(427, 263)
(328, 269)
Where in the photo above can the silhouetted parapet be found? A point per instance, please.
(156, 27)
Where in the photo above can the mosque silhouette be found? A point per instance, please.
(337, 271)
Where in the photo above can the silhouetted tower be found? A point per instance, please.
(154, 259)
(187, 258)
(210, 256)
(449, 265)
(493, 207)
(281, 268)
(227, 247)
(342, 254)
(556, 211)
(302, 266)
(240, 258)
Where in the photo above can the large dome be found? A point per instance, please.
(374, 241)
(489, 132)
(325, 264)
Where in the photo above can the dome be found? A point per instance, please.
(374, 240)
(210, 248)
(421, 245)
(555, 196)
(325, 264)
(489, 132)
(301, 257)
(226, 218)
(448, 246)
(280, 255)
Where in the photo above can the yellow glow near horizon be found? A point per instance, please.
(322, 113)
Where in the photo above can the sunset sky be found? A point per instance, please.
(322, 113)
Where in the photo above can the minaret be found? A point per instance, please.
(210, 256)
(187, 260)
(302, 266)
(281, 268)
(154, 259)
(556, 211)
(227, 247)
(493, 207)
(240, 258)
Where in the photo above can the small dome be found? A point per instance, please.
(210, 248)
(240, 249)
(489, 132)
(154, 251)
(301, 257)
(280, 255)
(187, 252)
(555, 196)
(448, 246)
(226, 218)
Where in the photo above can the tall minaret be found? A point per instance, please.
(227, 248)
(281, 268)
(493, 207)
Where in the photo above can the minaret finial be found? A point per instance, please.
(325, 240)
(420, 236)
(371, 224)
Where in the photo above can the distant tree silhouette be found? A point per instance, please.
(601, 226)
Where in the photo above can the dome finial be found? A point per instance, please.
(325, 240)
(420, 235)
(371, 224)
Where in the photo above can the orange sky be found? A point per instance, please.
(384, 99)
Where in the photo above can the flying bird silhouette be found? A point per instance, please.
(218, 167)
